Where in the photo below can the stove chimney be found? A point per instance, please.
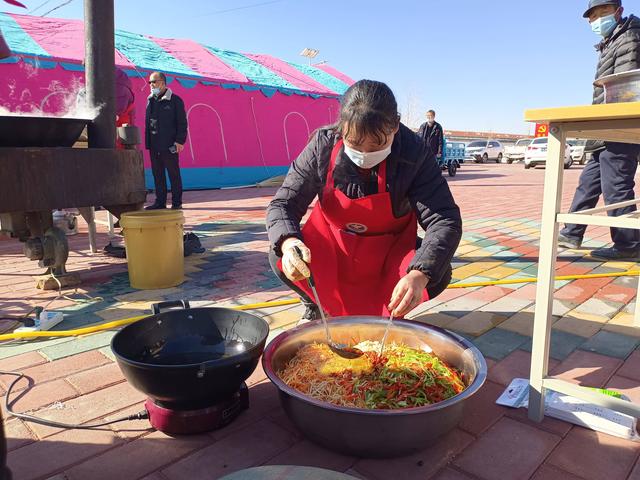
(100, 71)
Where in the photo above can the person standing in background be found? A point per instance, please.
(165, 135)
(432, 134)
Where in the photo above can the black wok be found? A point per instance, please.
(34, 131)
(190, 358)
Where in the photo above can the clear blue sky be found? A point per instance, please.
(479, 64)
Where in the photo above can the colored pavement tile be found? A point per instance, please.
(583, 324)
(562, 344)
(500, 273)
(498, 343)
(623, 323)
(79, 345)
(508, 446)
(594, 306)
(611, 344)
(476, 323)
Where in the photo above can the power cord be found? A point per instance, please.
(142, 415)
(28, 322)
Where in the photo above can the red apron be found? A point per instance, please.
(359, 250)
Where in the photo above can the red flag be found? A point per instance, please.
(15, 3)
(542, 130)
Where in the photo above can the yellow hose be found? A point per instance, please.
(280, 303)
(630, 273)
(120, 323)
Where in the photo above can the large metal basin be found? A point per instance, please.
(621, 87)
(375, 433)
(34, 131)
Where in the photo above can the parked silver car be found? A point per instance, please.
(481, 151)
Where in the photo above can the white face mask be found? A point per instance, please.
(155, 91)
(431, 121)
(367, 159)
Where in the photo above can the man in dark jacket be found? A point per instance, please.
(612, 170)
(432, 134)
(165, 135)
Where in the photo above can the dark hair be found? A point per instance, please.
(368, 108)
(162, 76)
(432, 111)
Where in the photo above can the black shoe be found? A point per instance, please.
(568, 242)
(192, 244)
(155, 206)
(614, 253)
(115, 251)
(176, 206)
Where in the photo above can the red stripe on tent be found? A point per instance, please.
(339, 75)
(17, 4)
(63, 39)
(200, 60)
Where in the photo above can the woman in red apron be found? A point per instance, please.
(375, 181)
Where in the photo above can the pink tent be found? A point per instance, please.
(249, 115)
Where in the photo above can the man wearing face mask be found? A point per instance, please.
(165, 134)
(612, 170)
(432, 134)
(375, 181)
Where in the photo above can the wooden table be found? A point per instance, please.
(618, 122)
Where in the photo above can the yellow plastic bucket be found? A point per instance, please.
(155, 248)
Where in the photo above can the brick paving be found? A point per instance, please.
(76, 379)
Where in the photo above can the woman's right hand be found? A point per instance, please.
(294, 267)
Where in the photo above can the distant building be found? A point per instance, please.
(462, 136)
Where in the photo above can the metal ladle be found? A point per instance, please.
(340, 349)
(386, 332)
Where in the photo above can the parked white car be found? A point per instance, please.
(515, 153)
(481, 151)
(577, 151)
(537, 153)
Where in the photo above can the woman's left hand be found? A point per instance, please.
(408, 293)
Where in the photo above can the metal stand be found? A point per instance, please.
(616, 123)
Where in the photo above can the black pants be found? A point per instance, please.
(610, 173)
(161, 161)
(434, 289)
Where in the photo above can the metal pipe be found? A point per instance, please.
(100, 71)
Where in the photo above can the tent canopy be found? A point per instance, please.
(53, 41)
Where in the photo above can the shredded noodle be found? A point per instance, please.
(403, 377)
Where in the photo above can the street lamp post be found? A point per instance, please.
(310, 53)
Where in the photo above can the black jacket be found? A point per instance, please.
(432, 136)
(414, 181)
(165, 122)
(620, 52)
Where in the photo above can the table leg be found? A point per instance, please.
(89, 215)
(636, 317)
(546, 270)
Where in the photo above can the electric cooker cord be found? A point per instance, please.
(142, 415)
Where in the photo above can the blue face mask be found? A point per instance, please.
(604, 25)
